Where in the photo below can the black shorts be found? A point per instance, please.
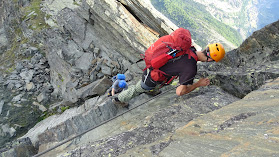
(147, 80)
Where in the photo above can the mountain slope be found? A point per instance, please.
(236, 17)
(65, 70)
(196, 17)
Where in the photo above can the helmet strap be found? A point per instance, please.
(206, 53)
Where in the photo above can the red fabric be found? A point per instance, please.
(181, 39)
(155, 56)
(161, 60)
(158, 75)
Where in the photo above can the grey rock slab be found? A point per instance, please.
(244, 128)
(17, 98)
(1, 105)
(106, 70)
(84, 62)
(96, 88)
(68, 19)
(27, 75)
(3, 38)
(21, 147)
(72, 50)
(41, 107)
(247, 127)
(148, 123)
(51, 122)
(6, 129)
(29, 86)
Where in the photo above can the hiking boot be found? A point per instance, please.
(122, 104)
(153, 92)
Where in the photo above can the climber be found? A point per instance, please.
(179, 60)
(119, 84)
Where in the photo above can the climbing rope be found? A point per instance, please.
(70, 139)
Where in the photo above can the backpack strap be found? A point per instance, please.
(167, 82)
(192, 53)
(142, 58)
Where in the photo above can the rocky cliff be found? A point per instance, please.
(56, 67)
(58, 54)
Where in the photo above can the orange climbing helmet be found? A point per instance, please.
(216, 51)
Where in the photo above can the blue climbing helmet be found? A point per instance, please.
(121, 77)
(122, 84)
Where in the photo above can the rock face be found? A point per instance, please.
(79, 46)
(247, 67)
(65, 53)
(247, 127)
(109, 26)
(150, 122)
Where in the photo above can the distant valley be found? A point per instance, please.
(268, 12)
(225, 21)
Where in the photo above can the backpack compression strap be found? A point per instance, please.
(192, 53)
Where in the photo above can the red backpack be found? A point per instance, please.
(166, 48)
